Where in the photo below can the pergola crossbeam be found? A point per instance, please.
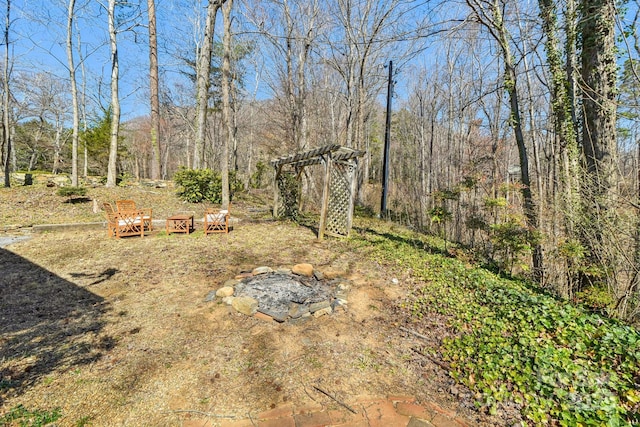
(307, 155)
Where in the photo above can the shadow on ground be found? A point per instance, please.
(77, 200)
(414, 242)
(46, 323)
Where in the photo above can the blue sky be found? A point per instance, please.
(39, 32)
(38, 42)
(38, 36)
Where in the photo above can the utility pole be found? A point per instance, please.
(387, 134)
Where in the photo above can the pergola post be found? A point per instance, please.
(276, 190)
(299, 173)
(354, 182)
(326, 159)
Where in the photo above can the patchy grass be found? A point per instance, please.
(117, 332)
(29, 418)
(25, 206)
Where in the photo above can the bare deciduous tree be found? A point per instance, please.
(366, 34)
(6, 125)
(203, 73)
(226, 100)
(74, 95)
(154, 91)
(489, 13)
(115, 99)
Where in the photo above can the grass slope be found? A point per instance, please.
(510, 342)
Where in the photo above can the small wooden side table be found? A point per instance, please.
(182, 223)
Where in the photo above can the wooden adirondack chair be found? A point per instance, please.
(130, 205)
(111, 219)
(123, 223)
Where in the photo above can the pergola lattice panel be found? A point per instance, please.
(340, 199)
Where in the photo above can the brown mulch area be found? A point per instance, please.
(117, 332)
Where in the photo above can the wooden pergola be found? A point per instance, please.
(339, 186)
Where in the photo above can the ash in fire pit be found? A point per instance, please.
(285, 295)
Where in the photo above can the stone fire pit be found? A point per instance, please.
(285, 295)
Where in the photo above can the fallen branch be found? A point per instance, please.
(206, 414)
(307, 393)
(424, 337)
(432, 359)
(251, 419)
(336, 400)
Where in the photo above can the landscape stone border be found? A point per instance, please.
(285, 295)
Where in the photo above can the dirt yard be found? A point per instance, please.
(118, 332)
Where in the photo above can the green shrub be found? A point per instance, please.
(364, 211)
(290, 194)
(439, 214)
(197, 185)
(477, 222)
(499, 202)
(447, 194)
(235, 185)
(512, 240)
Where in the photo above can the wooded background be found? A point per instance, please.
(514, 125)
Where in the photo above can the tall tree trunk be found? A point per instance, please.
(422, 161)
(599, 145)
(203, 73)
(563, 122)
(74, 95)
(599, 69)
(57, 146)
(234, 124)
(6, 127)
(226, 100)
(516, 121)
(290, 84)
(300, 32)
(83, 104)
(153, 91)
(532, 124)
(359, 141)
(115, 100)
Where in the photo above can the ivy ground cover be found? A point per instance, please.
(511, 342)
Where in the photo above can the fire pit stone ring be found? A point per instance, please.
(285, 295)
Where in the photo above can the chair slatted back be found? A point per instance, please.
(126, 205)
(130, 206)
